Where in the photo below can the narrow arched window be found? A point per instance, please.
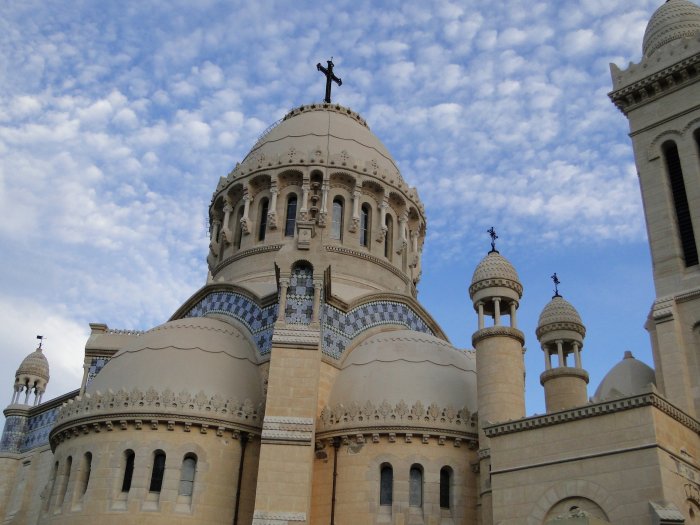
(262, 220)
(54, 475)
(445, 487)
(680, 202)
(128, 470)
(64, 481)
(415, 488)
(157, 472)
(386, 484)
(238, 234)
(189, 466)
(389, 239)
(85, 474)
(291, 219)
(365, 225)
(337, 219)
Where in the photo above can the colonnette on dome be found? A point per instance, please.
(305, 384)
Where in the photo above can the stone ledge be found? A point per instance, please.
(563, 371)
(498, 331)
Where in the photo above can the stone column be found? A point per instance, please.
(403, 219)
(355, 209)
(316, 313)
(227, 233)
(547, 358)
(245, 220)
(480, 307)
(560, 352)
(382, 219)
(513, 314)
(497, 311)
(272, 214)
(577, 355)
(304, 211)
(282, 303)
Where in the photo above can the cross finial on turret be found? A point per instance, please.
(330, 77)
(557, 282)
(492, 232)
(41, 340)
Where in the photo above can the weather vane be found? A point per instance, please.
(492, 232)
(557, 282)
(330, 77)
(41, 339)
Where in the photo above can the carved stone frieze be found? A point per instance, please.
(291, 430)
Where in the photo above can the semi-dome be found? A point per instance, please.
(409, 367)
(627, 378)
(674, 20)
(34, 365)
(201, 354)
(559, 313)
(494, 271)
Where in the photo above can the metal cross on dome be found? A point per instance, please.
(492, 232)
(330, 77)
(557, 282)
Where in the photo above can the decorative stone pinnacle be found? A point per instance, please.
(557, 282)
(492, 232)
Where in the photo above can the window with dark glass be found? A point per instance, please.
(337, 219)
(291, 217)
(415, 487)
(364, 225)
(445, 484)
(262, 221)
(128, 470)
(189, 466)
(157, 472)
(680, 201)
(386, 485)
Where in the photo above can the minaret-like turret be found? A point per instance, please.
(560, 332)
(31, 377)
(496, 291)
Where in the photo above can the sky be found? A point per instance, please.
(117, 119)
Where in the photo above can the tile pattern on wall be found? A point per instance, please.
(38, 428)
(97, 363)
(300, 296)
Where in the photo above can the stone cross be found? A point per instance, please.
(330, 77)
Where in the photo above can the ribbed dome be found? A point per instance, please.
(199, 354)
(673, 20)
(627, 378)
(494, 270)
(558, 311)
(408, 366)
(35, 364)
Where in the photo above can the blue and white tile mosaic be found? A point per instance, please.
(97, 363)
(38, 428)
(338, 328)
(300, 296)
(260, 321)
(13, 434)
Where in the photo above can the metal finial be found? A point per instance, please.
(330, 77)
(492, 232)
(41, 340)
(557, 282)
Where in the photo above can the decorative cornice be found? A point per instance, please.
(368, 257)
(657, 84)
(496, 283)
(289, 334)
(662, 310)
(100, 408)
(245, 253)
(288, 430)
(262, 517)
(399, 418)
(498, 331)
(552, 327)
(221, 287)
(563, 371)
(594, 410)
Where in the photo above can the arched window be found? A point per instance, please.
(157, 472)
(365, 217)
(128, 470)
(85, 474)
(445, 487)
(389, 239)
(54, 475)
(680, 201)
(238, 234)
(262, 220)
(189, 466)
(386, 484)
(64, 481)
(415, 488)
(337, 219)
(291, 219)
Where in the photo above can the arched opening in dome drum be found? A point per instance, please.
(187, 473)
(415, 486)
(291, 216)
(680, 202)
(65, 478)
(337, 219)
(238, 235)
(445, 487)
(365, 217)
(54, 475)
(262, 218)
(386, 484)
(157, 472)
(389, 239)
(128, 470)
(84, 478)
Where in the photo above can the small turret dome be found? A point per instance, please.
(627, 378)
(34, 365)
(495, 272)
(674, 20)
(557, 315)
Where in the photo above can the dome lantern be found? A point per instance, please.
(31, 376)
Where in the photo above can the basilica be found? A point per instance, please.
(305, 384)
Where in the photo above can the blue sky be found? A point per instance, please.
(118, 118)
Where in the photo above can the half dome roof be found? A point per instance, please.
(627, 378)
(674, 20)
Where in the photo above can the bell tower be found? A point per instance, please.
(660, 96)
